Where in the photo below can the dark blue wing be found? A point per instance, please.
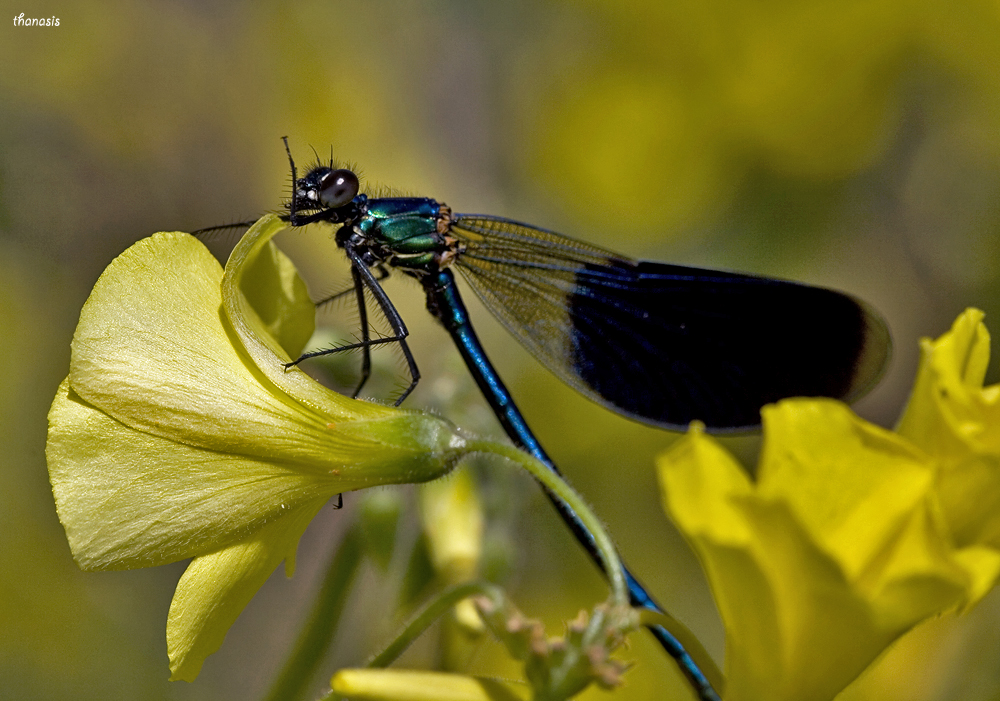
(668, 344)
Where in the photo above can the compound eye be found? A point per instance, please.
(338, 187)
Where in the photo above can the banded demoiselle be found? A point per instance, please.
(663, 344)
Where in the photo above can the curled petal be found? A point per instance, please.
(152, 351)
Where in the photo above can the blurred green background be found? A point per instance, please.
(853, 144)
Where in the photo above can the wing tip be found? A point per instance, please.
(874, 354)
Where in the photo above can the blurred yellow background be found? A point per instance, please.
(850, 144)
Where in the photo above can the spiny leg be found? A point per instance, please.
(392, 316)
(381, 273)
(366, 349)
(362, 273)
(202, 233)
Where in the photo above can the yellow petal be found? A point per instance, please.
(157, 357)
(766, 576)
(983, 565)
(169, 440)
(850, 483)
(263, 349)
(406, 685)
(814, 634)
(835, 552)
(949, 411)
(179, 432)
(151, 351)
(215, 589)
(130, 499)
(917, 575)
(277, 299)
(957, 421)
(389, 440)
(704, 482)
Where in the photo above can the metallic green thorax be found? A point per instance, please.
(408, 232)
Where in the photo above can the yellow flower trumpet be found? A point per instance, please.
(851, 534)
(179, 434)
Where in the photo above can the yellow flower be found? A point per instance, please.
(956, 420)
(179, 434)
(837, 549)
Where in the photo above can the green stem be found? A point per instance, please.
(321, 623)
(558, 486)
(423, 619)
(691, 644)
